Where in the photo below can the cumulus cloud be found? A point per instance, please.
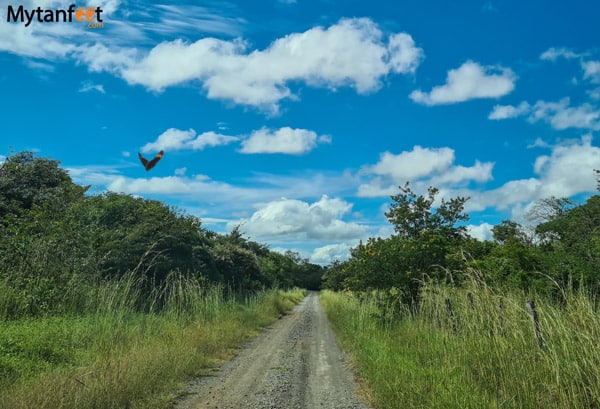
(568, 169)
(353, 53)
(326, 254)
(481, 232)
(194, 188)
(436, 165)
(553, 54)
(479, 172)
(591, 71)
(565, 172)
(591, 68)
(321, 220)
(412, 164)
(560, 115)
(284, 140)
(509, 111)
(469, 81)
(176, 139)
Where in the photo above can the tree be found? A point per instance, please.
(27, 181)
(238, 267)
(147, 236)
(572, 243)
(412, 215)
(424, 238)
(508, 231)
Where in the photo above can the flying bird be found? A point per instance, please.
(149, 164)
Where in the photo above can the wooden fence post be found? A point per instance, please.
(471, 301)
(500, 329)
(450, 314)
(536, 323)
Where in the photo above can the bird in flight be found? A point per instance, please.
(149, 164)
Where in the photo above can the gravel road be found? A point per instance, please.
(294, 364)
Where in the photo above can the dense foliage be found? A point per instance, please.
(430, 242)
(56, 240)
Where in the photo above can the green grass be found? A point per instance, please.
(486, 357)
(114, 356)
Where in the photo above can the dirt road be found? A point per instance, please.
(294, 364)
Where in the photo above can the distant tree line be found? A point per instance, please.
(55, 238)
(431, 243)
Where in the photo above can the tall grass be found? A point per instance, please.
(483, 355)
(129, 348)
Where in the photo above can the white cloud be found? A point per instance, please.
(326, 254)
(412, 164)
(594, 93)
(49, 41)
(176, 139)
(509, 111)
(481, 232)
(553, 54)
(591, 71)
(283, 140)
(320, 220)
(591, 68)
(178, 19)
(351, 53)
(479, 172)
(469, 81)
(434, 166)
(538, 143)
(565, 172)
(194, 189)
(99, 57)
(568, 169)
(202, 192)
(405, 56)
(560, 115)
(89, 86)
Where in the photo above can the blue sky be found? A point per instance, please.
(298, 119)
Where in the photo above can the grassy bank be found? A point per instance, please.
(484, 354)
(114, 356)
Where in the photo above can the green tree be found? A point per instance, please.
(425, 236)
(412, 214)
(27, 181)
(147, 236)
(508, 231)
(571, 242)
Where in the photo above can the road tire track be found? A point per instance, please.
(294, 364)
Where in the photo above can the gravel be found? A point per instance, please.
(294, 364)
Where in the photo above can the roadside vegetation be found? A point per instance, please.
(113, 301)
(119, 357)
(478, 357)
(436, 319)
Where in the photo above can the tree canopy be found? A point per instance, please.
(56, 238)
